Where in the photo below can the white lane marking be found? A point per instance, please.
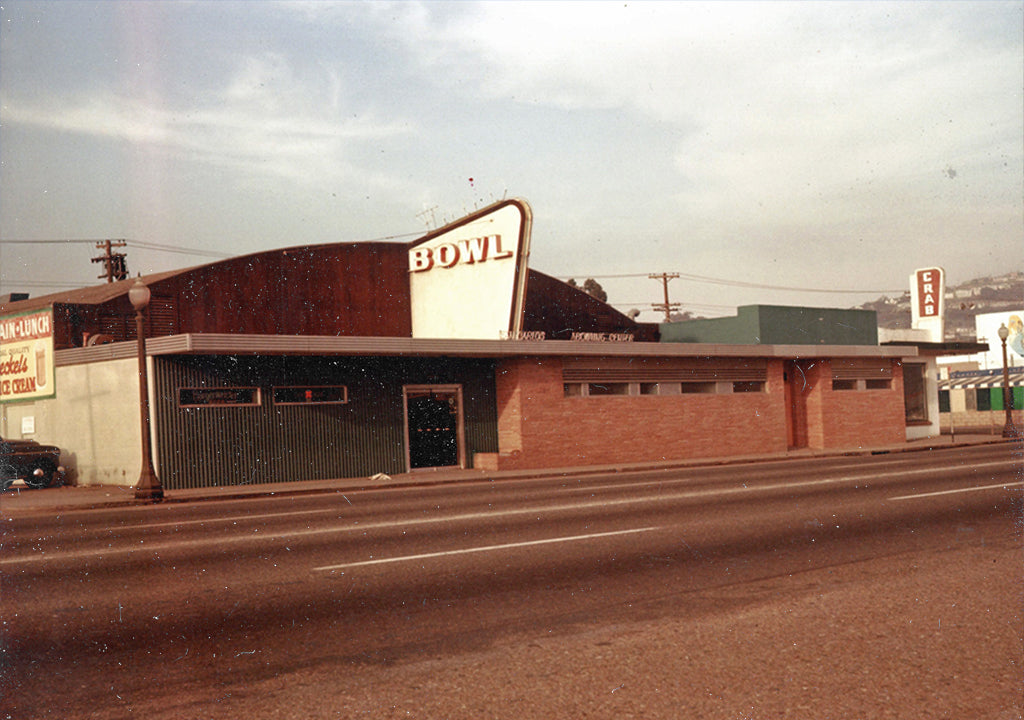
(253, 534)
(620, 486)
(229, 519)
(831, 479)
(482, 548)
(1004, 486)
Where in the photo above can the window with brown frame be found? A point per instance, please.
(311, 395)
(218, 397)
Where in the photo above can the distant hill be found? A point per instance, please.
(963, 302)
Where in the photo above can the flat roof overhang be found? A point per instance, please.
(313, 345)
(943, 349)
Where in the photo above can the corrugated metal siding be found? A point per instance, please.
(209, 446)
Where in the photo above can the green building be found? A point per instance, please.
(779, 325)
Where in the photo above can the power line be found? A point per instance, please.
(140, 244)
(175, 249)
(735, 283)
(49, 284)
(50, 241)
(122, 243)
(163, 247)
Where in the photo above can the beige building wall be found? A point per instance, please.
(94, 420)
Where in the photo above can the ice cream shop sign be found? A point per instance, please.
(26, 356)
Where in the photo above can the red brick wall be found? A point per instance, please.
(864, 418)
(550, 430)
(539, 427)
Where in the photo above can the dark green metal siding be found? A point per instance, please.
(743, 329)
(211, 446)
(779, 325)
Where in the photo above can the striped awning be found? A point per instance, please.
(982, 379)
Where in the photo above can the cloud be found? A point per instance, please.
(767, 136)
(263, 121)
(798, 100)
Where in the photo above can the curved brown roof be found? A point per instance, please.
(339, 289)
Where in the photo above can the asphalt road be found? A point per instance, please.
(778, 589)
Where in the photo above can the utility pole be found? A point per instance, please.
(114, 264)
(667, 307)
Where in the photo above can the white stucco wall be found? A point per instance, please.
(931, 389)
(94, 419)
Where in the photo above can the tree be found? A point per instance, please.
(593, 288)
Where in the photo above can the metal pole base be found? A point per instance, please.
(149, 489)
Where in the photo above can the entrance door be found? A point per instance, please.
(796, 405)
(433, 426)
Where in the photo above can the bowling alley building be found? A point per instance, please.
(352, 359)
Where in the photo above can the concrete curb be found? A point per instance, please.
(19, 500)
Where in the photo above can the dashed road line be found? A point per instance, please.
(1003, 486)
(482, 548)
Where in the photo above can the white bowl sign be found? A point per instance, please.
(468, 279)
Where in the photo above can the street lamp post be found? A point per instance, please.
(148, 488)
(1009, 430)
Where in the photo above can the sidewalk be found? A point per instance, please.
(19, 500)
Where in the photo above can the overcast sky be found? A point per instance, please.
(784, 146)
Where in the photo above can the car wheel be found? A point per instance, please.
(42, 477)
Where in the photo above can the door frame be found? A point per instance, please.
(795, 383)
(460, 432)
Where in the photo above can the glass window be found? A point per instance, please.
(699, 388)
(748, 387)
(915, 400)
(608, 389)
(311, 395)
(984, 397)
(219, 397)
(659, 388)
(573, 389)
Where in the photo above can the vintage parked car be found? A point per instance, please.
(38, 465)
